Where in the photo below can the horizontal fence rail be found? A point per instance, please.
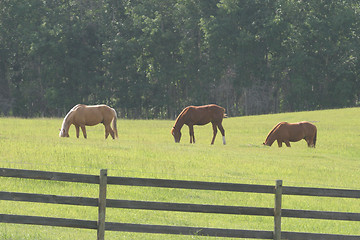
(180, 207)
(149, 182)
(277, 212)
(43, 175)
(196, 185)
(321, 192)
(48, 221)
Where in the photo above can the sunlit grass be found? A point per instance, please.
(145, 148)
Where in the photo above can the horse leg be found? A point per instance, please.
(112, 133)
(307, 141)
(287, 143)
(109, 130)
(214, 132)
(191, 132)
(77, 131)
(310, 142)
(222, 130)
(279, 143)
(106, 131)
(83, 130)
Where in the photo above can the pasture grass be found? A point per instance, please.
(145, 148)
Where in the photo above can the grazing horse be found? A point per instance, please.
(292, 132)
(82, 115)
(200, 115)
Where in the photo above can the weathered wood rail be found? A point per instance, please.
(102, 203)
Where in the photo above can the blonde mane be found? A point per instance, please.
(65, 124)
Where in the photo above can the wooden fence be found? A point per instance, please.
(102, 203)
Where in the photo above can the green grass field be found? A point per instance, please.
(145, 148)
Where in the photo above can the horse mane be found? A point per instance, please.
(180, 116)
(273, 130)
(69, 113)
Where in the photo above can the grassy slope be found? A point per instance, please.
(145, 148)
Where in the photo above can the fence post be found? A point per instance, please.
(102, 204)
(277, 210)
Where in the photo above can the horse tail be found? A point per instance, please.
(315, 137)
(224, 114)
(115, 124)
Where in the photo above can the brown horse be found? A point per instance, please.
(200, 115)
(82, 115)
(292, 132)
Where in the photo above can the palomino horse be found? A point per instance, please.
(199, 116)
(292, 132)
(83, 115)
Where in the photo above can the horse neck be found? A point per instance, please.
(67, 121)
(271, 137)
(178, 124)
(180, 120)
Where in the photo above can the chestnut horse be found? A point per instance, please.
(82, 115)
(200, 115)
(292, 132)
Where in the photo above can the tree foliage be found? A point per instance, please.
(150, 59)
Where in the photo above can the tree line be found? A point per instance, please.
(150, 59)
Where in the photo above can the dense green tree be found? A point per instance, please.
(149, 59)
(242, 40)
(321, 55)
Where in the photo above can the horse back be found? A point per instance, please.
(93, 114)
(201, 115)
(309, 128)
(300, 130)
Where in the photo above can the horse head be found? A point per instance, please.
(63, 133)
(177, 134)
